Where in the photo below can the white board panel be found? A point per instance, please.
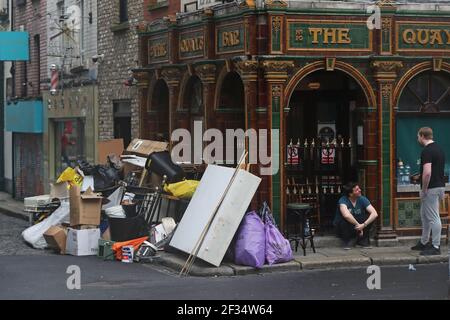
(204, 201)
(227, 220)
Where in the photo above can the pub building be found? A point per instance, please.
(347, 99)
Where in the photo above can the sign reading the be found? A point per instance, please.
(158, 50)
(325, 35)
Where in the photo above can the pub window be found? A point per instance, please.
(424, 102)
(123, 11)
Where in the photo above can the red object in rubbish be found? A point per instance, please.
(136, 243)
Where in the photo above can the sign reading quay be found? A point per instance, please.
(423, 36)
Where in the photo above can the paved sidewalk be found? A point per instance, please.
(324, 258)
(327, 255)
(12, 207)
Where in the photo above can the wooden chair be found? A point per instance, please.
(444, 213)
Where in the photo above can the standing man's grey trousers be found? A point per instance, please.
(429, 213)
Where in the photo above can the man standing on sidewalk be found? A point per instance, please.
(433, 188)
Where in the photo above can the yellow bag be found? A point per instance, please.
(71, 176)
(184, 189)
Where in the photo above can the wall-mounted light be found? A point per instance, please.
(314, 85)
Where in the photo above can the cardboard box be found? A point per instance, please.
(144, 148)
(107, 147)
(84, 208)
(82, 242)
(59, 190)
(56, 237)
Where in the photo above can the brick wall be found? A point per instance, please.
(32, 16)
(173, 7)
(121, 53)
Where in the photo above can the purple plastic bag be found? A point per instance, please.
(278, 248)
(251, 241)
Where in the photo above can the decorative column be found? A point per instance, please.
(276, 74)
(248, 71)
(207, 74)
(142, 77)
(172, 77)
(386, 38)
(385, 74)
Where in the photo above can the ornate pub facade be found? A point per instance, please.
(341, 101)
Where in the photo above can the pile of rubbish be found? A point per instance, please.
(113, 207)
(121, 209)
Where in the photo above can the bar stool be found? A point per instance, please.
(298, 216)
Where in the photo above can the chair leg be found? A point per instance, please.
(312, 245)
(304, 244)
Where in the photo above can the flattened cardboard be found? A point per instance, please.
(85, 208)
(59, 190)
(107, 147)
(144, 148)
(56, 237)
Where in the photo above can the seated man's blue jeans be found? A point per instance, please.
(346, 231)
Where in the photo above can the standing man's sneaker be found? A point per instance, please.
(420, 247)
(431, 251)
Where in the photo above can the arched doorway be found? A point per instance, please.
(192, 110)
(323, 134)
(159, 126)
(423, 102)
(230, 110)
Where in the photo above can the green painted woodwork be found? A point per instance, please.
(386, 159)
(276, 179)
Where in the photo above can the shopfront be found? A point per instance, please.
(24, 120)
(346, 100)
(70, 129)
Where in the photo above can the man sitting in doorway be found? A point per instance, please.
(354, 216)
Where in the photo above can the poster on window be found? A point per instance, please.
(328, 155)
(293, 155)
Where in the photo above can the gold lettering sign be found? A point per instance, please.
(192, 44)
(426, 36)
(231, 38)
(158, 50)
(330, 35)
